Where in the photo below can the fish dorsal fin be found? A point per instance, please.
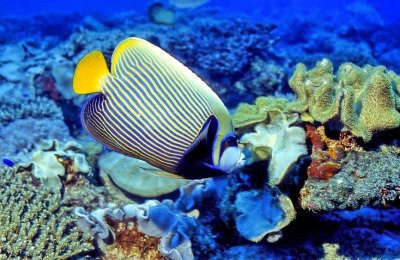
(89, 72)
(120, 49)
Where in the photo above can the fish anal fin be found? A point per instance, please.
(161, 173)
(88, 73)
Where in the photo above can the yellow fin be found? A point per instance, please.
(88, 73)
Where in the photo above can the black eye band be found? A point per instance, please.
(229, 141)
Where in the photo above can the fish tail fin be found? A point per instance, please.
(88, 73)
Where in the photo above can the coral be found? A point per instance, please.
(187, 4)
(370, 96)
(135, 176)
(315, 91)
(264, 78)
(327, 153)
(51, 161)
(365, 178)
(278, 141)
(221, 51)
(371, 102)
(37, 108)
(247, 115)
(262, 213)
(161, 15)
(35, 223)
(63, 74)
(130, 242)
(20, 137)
(153, 218)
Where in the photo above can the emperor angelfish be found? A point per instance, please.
(151, 107)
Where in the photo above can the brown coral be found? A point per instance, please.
(130, 243)
(327, 153)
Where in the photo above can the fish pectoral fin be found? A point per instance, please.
(88, 73)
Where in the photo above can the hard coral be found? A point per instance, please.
(35, 224)
(365, 178)
(370, 96)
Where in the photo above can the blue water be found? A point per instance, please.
(242, 50)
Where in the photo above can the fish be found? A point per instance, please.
(8, 162)
(152, 107)
(187, 3)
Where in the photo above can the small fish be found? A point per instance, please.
(152, 107)
(8, 162)
(187, 3)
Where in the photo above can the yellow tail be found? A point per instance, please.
(88, 73)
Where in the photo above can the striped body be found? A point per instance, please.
(152, 107)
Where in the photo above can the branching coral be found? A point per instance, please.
(366, 99)
(34, 222)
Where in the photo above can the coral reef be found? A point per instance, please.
(35, 223)
(53, 161)
(21, 136)
(24, 108)
(278, 141)
(153, 218)
(264, 78)
(327, 153)
(262, 213)
(370, 96)
(247, 115)
(274, 138)
(365, 178)
(346, 115)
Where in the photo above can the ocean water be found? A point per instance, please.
(285, 145)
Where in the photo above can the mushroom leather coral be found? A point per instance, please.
(365, 99)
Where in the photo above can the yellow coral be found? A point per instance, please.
(367, 98)
(249, 115)
(316, 91)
